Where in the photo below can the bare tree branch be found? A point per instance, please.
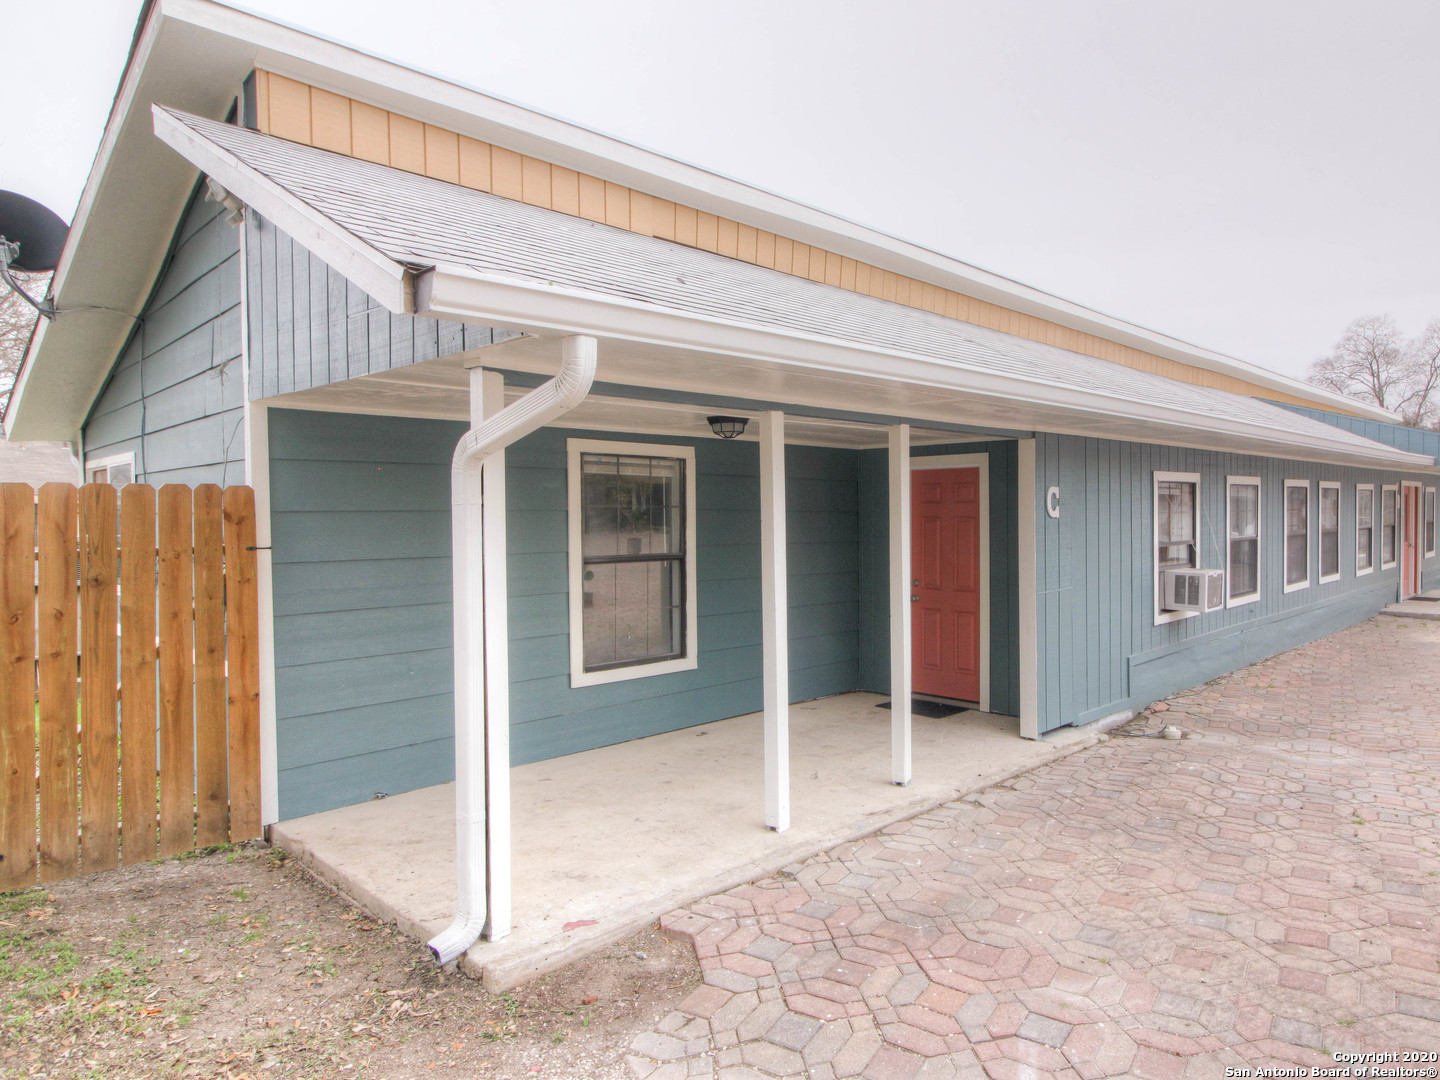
(1373, 362)
(17, 323)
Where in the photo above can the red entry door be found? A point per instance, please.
(945, 566)
(1410, 543)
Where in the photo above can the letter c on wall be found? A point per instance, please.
(1052, 502)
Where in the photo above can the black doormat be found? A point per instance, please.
(934, 710)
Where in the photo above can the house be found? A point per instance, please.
(698, 450)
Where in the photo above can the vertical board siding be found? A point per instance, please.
(1100, 649)
(174, 397)
(361, 541)
(1415, 440)
(874, 554)
(310, 326)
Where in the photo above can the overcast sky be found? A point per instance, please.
(1247, 176)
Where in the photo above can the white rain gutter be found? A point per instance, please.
(537, 408)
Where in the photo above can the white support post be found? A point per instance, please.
(487, 397)
(901, 589)
(774, 606)
(1029, 596)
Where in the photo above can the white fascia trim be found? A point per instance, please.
(375, 272)
(1335, 486)
(462, 293)
(1284, 514)
(1249, 598)
(343, 69)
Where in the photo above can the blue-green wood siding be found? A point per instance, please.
(1414, 440)
(310, 326)
(361, 539)
(174, 397)
(1004, 573)
(1100, 651)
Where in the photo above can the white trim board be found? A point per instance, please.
(979, 461)
(578, 675)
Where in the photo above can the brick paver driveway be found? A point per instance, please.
(1260, 893)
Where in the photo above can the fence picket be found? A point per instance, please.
(55, 602)
(17, 687)
(242, 637)
(176, 624)
(212, 794)
(138, 768)
(99, 729)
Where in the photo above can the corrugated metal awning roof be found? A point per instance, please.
(390, 225)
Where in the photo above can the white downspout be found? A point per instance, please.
(537, 408)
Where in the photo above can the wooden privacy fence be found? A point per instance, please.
(150, 743)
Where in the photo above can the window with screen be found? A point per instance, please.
(1329, 531)
(1364, 528)
(1297, 534)
(1243, 525)
(1177, 532)
(1389, 514)
(632, 560)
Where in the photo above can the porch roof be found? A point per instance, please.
(421, 245)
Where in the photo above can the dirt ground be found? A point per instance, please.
(238, 964)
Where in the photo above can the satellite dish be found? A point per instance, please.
(38, 231)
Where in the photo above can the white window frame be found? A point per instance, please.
(1429, 517)
(1249, 598)
(1374, 530)
(1380, 528)
(1309, 530)
(578, 675)
(92, 464)
(1162, 616)
(1322, 577)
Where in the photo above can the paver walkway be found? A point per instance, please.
(1262, 892)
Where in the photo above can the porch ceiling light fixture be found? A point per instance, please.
(728, 427)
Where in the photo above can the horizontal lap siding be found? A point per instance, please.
(360, 512)
(1100, 651)
(174, 398)
(1004, 575)
(310, 326)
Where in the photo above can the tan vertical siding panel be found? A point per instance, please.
(442, 154)
(727, 240)
(847, 274)
(369, 133)
(330, 121)
(863, 275)
(592, 198)
(765, 248)
(784, 254)
(685, 225)
(641, 208)
(505, 173)
(475, 164)
(707, 231)
(662, 218)
(407, 144)
(617, 205)
(262, 101)
(834, 269)
(952, 304)
(565, 190)
(891, 287)
(746, 241)
(289, 109)
(535, 182)
(800, 259)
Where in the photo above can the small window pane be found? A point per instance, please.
(1244, 540)
(1364, 528)
(632, 612)
(1297, 535)
(1329, 532)
(1387, 527)
(1175, 523)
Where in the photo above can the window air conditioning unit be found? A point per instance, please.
(1192, 590)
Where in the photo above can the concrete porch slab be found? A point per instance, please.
(608, 840)
(1424, 606)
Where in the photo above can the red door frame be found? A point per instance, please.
(955, 683)
(1411, 501)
